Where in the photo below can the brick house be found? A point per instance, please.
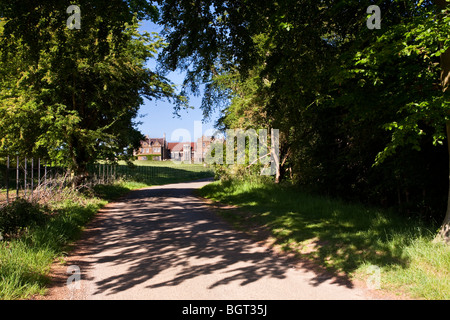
(191, 151)
(202, 149)
(153, 149)
(159, 149)
(181, 151)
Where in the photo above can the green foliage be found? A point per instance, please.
(73, 95)
(228, 173)
(21, 214)
(343, 97)
(415, 46)
(26, 261)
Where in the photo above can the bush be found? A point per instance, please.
(19, 215)
(227, 173)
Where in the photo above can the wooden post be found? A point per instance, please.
(32, 177)
(45, 180)
(25, 179)
(17, 177)
(7, 180)
(39, 177)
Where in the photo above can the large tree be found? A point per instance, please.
(422, 87)
(73, 96)
(444, 6)
(334, 85)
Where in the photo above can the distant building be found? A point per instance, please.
(203, 146)
(158, 149)
(181, 151)
(153, 149)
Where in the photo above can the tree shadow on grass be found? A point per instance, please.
(159, 175)
(333, 234)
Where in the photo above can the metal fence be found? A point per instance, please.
(35, 179)
(29, 178)
(157, 173)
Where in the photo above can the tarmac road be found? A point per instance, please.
(164, 243)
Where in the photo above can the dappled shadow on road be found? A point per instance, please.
(160, 229)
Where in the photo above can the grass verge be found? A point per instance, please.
(342, 237)
(25, 260)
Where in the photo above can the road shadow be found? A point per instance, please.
(156, 229)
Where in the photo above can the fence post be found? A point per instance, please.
(39, 178)
(7, 180)
(32, 177)
(25, 180)
(45, 177)
(17, 178)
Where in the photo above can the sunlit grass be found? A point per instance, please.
(25, 261)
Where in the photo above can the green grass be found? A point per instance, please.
(341, 236)
(25, 261)
(168, 163)
(161, 172)
(111, 192)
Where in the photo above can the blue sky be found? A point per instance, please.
(157, 116)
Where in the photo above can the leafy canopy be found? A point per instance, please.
(72, 96)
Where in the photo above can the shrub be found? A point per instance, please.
(19, 215)
(227, 173)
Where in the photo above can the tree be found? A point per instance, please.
(443, 5)
(335, 86)
(425, 109)
(73, 95)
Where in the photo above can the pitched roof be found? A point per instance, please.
(152, 141)
(178, 146)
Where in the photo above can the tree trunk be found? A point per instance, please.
(275, 151)
(444, 233)
(78, 167)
